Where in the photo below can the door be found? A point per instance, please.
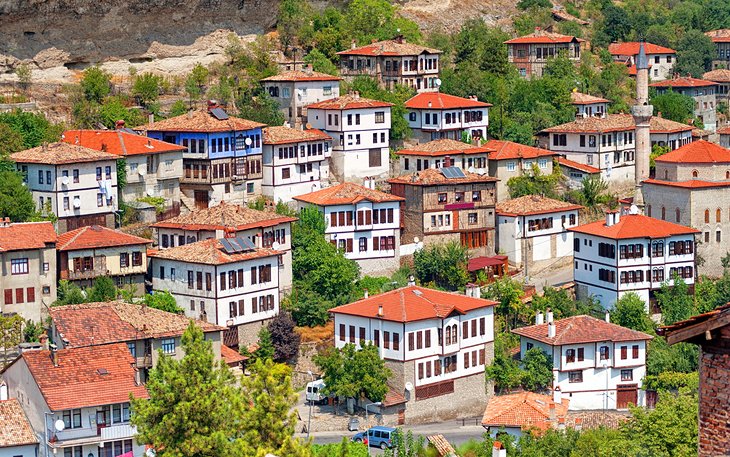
(626, 394)
(201, 199)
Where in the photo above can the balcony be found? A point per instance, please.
(98, 269)
(144, 362)
(117, 432)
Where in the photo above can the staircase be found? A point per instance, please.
(188, 204)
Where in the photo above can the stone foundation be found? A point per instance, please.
(249, 333)
(714, 437)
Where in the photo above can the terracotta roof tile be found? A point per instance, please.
(634, 226)
(699, 151)
(200, 121)
(346, 193)
(349, 101)
(721, 75)
(412, 303)
(443, 147)
(507, 150)
(96, 236)
(578, 166)
(434, 176)
(438, 100)
(393, 398)
(719, 36)
(631, 48)
(533, 204)
(118, 142)
(683, 81)
(209, 252)
(616, 123)
(225, 215)
(390, 48)
(114, 322)
(700, 133)
(15, 428)
(690, 184)
(543, 36)
(442, 445)
(581, 329)
(579, 98)
(299, 75)
(724, 130)
(85, 377)
(663, 125)
(60, 153)
(523, 409)
(699, 318)
(285, 135)
(26, 235)
(231, 356)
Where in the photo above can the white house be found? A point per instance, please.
(86, 391)
(444, 153)
(360, 128)
(17, 438)
(433, 115)
(265, 229)
(436, 344)
(661, 59)
(525, 411)
(596, 364)
(227, 282)
(703, 92)
(295, 162)
(630, 253)
(588, 106)
(361, 221)
(293, 90)
(77, 184)
(534, 228)
(575, 172)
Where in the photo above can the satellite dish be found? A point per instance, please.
(65, 181)
(471, 170)
(77, 202)
(150, 193)
(248, 141)
(634, 209)
(142, 171)
(59, 425)
(409, 386)
(275, 245)
(416, 239)
(438, 82)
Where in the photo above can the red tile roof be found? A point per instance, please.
(118, 142)
(479, 263)
(85, 377)
(346, 193)
(115, 322)
(578, 166)
(724, 130)
(390, 48)
(533, 204)
(631, 48)
(544, 37)
(683, 81)
(691, 184)
(438, 100)
(434, 177)
(26, 235)
(223, 216)
(579, 98)
(15, 428)
(719, 36)
(287, 135)
(581, 329)
(444, 147)
(509, 150)
(693, 321)
(200, 121)
(60, 153)
(393, 398)
(525, 410)
(349, 101)
(96, 236)
(721, 75)
(231, 357)
(210, 252)
(299, 75)
(412, 303)
(616, 123)
(699, 151)
(634, 226)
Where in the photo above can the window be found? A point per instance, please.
(168, 346)
(575, 376)
(374, 157)
(396, 342)
(635, 351)
(624, 352)
(120, 413)
(570, 355)
(74, 451)
(581, 354)
(19, 266)
(72, 418)
(285, 173)
(386, 340)
(707, 216)
(603, 351)
(363, 244)
(76, 176)
(380, 117)
(137, 259)
(627, 375)
(511, 166)
(442, 198)
(473, 219)
(190, 280)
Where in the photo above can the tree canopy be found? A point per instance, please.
(349, 372)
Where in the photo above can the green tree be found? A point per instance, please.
(675, 301)
(526, 4)
(16, 201)
(444, 265)
(34, 128)
(265, 350)
(146, 87)
(163, 300)
(508, 293)
(348, 372)
(178, 108)
(662, 358)
(674, 106)
(483, 47)
(11, 333)
(102, 290)
(114, 109)
(630, 311)
(535, 183)
(504, 370)
(320, 62)
(538, 370)
(25, 75)
(592, 190)
(293, 16)
(32, 331)
(345, 448)
(96, 84)
(69, 293)
(307, 307)
(12, 141)
(259, 108)
(695, 52)
(222, 91)
(562, 304)
(366, 20)
(284, 337)
(196, 81)
(195, 408)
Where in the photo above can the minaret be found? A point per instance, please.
(642, 113)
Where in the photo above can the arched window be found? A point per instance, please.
(676, 215)
(695, 173)
(718, 215)
(454, 334)
(707, 216)
(666, 174)
(664, 213)
(448, 335)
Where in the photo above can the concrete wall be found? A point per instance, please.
(294, 96)
(30, 450)
(162, 181)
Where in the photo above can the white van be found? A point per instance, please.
(314, 391)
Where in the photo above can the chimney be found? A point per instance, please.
(608, 317)
(212, 104)
(3, 391)
(353, 44)
(357, 95)
(578, 423)
(308, 69)
(551, 330)
(552, 411)
(430, 105)
(137, 377)
(498, 450)
(380, 311)
(411, 280)
(190, 114)
(54, 355)
(557, 395)
(561, 423)
(366, 293)
(151, 118)
(548, 316)
(539, 318)
(447, 161)
(120, 124)
(616, 217)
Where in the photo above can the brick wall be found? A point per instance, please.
(714, 439)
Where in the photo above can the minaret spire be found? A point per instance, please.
(642, 112)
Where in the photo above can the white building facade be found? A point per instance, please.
(433, 116)
(293, 90)
(661, 59)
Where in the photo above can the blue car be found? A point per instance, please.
(378, 436)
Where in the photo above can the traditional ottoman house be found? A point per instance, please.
(721, 40)
(509, 159)
(703, 92)
(433, 115)
(445, 153)
(293, 90)
(661, 59)
(530, 53)
(587, 105)
(17, 438)
(722, 78)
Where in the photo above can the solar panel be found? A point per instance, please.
(446, 172)
(227, 246)
(219, 114)
(452, 172)
(128, 130)
(246, 244)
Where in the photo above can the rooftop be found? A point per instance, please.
(577, 166)
(412, 303)
(26, 235)
(719, 36)
(200, 121)
(579, 98)
(396, 47)
(616, 123)
(15, 428)
(96, 236)
(696, 325)
(631, 48)
(540, 36)
(699, 151)
(444, 147)
(506, 150)
(683, 81)
(724, 130)
(533, 204)
(438, 100)
(210, 252)
(287, 135)
(435, 177)
(117, 321)
(223, 216)
(690, 184)
(349, 101)
(119, 142)
(721, 75)
(346, 193)
(300, 75)
(60, 153)
(581, 329)
(634, 226)
(85, 377)
(525, 410)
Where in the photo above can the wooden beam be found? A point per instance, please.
(683, 334)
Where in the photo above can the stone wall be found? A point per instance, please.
(714, 439)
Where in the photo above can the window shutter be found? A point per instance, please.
(8, 296)
(30, 293)
(376, 243)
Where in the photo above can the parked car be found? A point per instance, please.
(378, 436)
(314, 392)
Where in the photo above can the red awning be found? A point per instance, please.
(479, 263)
